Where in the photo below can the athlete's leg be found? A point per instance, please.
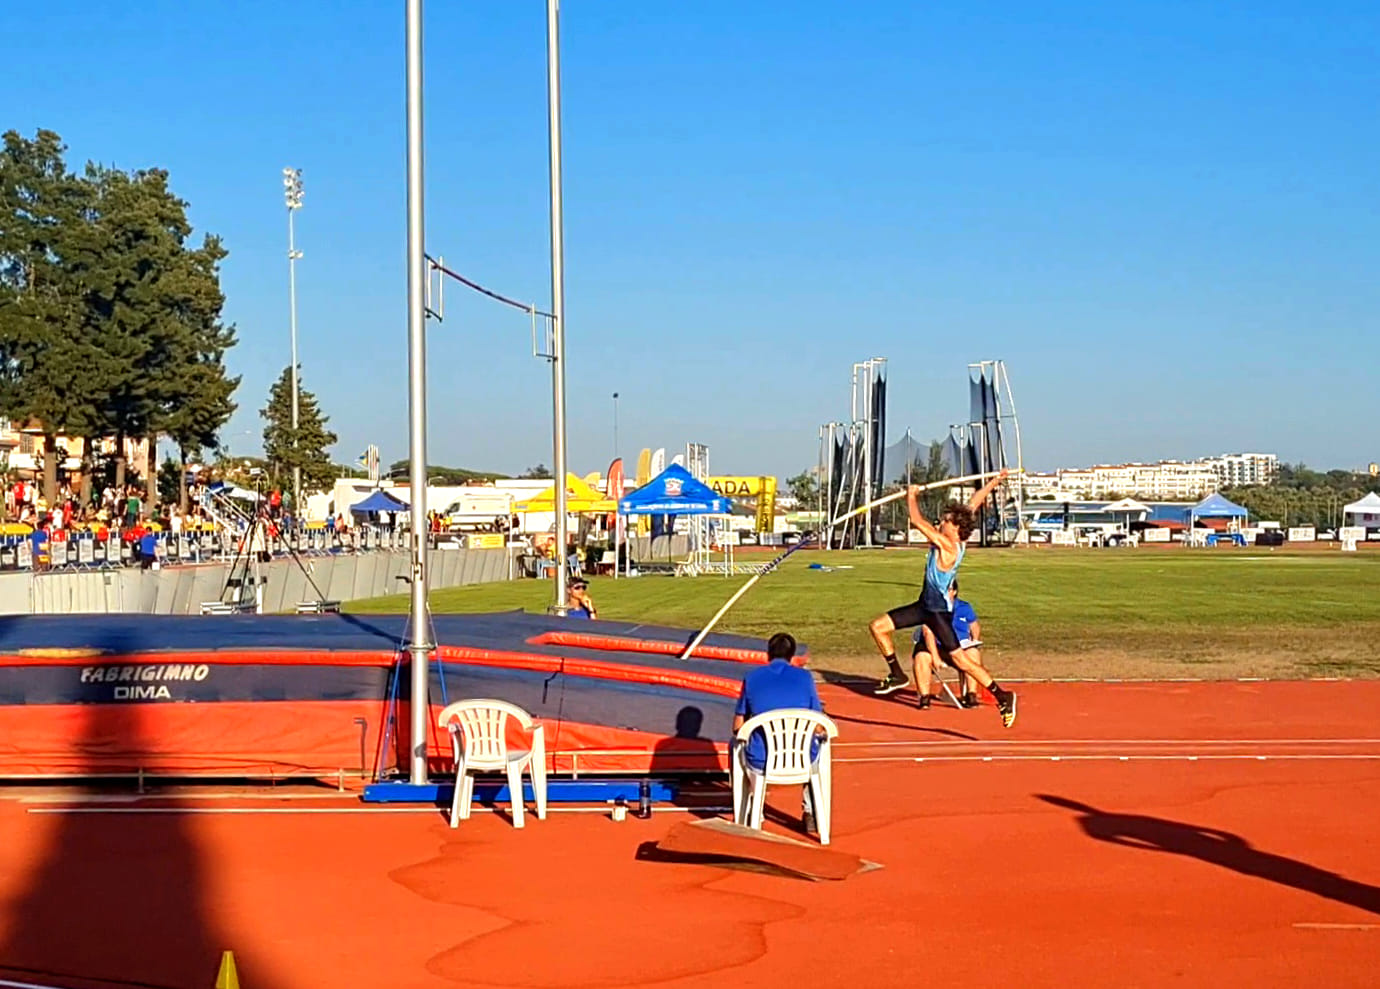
(923, 659)
(881, 628)
(941, 624)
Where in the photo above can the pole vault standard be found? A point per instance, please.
(553, 100)
(704, 632)
(419, 648)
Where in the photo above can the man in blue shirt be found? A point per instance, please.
(926, 652)
(773, 687)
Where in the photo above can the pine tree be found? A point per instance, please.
(51, 368)
(144, 284)
(196, 394)
(312, 437)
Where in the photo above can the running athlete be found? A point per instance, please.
(932, 608)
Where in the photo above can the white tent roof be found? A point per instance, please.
(1369, 505)
(1125, 505)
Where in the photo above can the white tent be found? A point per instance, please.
(1365, 512)
(1127, 507)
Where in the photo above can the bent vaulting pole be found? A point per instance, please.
(419, 649)
(553, 99)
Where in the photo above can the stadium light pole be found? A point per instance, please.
(553, 105)
(419, 646)
(292, 194)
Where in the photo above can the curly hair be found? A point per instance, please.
(962, 516)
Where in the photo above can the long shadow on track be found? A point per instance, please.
(1216, 847)
(117, 899)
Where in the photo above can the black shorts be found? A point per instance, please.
(941, 623)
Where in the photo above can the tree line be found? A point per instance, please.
(1302, 496)
(111, 325)
(110, 311)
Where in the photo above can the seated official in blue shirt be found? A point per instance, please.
(774, 687)
(926, 652)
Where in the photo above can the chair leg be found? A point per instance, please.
(515, 791)
(455, 799)
(758, 785)
(821, 802)
(735, 774)
(822, 786)
(537, 767)
(466, 795)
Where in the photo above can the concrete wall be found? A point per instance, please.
(181, 590)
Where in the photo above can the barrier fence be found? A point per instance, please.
(183, 589)
(88, 550)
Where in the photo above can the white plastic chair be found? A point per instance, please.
(478, 737)
(788, 734)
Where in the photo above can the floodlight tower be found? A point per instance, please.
(292, 194)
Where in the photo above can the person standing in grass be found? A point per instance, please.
(932, 608)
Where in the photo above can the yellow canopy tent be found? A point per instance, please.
(579, 497)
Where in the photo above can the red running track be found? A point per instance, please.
(1136, 834)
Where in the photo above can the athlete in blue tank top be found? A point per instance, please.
(932, 609)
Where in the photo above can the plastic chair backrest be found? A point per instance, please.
(483, 726)
(788, 734)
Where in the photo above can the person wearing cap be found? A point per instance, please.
(578, 603)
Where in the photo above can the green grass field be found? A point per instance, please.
(1044, 612)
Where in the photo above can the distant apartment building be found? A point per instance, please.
(1168, 480)
(1237, 469)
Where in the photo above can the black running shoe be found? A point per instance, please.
(807, 823)
(969, 700)
(1006, 705)
(924, 702)
(891, 683)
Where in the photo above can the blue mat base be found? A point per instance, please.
(557, 792)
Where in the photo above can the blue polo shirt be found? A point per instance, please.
(770, 688)
(964, 616)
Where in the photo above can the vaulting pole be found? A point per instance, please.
(948, 482)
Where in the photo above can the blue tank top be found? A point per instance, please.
(935, 595)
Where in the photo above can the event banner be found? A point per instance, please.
(766, 506)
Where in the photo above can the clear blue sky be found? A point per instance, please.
(1162, 215)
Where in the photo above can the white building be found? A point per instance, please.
(1168, 480)
(1236, 469)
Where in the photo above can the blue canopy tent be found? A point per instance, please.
(1214, 506)
(379, 501)
(674, 491)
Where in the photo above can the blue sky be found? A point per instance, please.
(1162, 215)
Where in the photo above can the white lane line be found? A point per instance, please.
(134, 798)
(1337, 927)
(432, 809)
(1118, 757)
(1117, 741)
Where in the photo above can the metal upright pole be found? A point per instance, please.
(419, 648)
(553, 99)
(292, 195)
(296, 390)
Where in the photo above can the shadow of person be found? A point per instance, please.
(698, 763)
(116, 898)
(1216, 847)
